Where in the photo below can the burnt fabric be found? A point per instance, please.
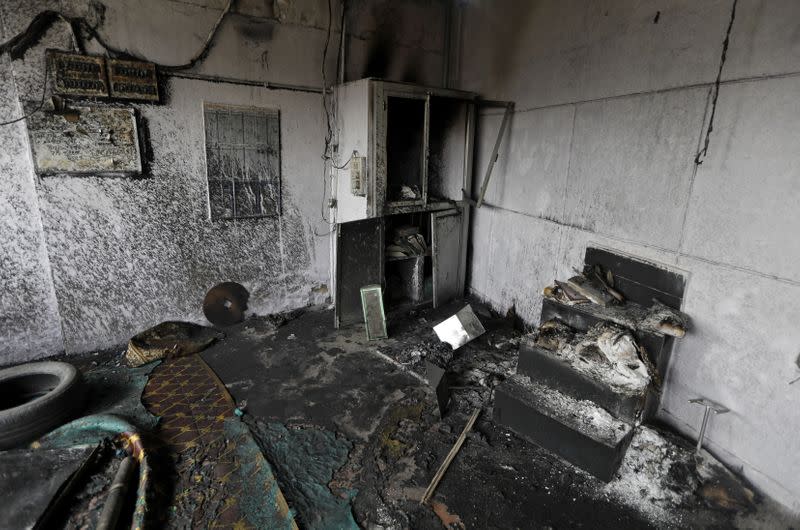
(220, 477)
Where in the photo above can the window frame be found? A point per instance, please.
(269, 150)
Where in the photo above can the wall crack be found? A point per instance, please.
(701, 155)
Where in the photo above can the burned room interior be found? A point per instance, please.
(399, 264)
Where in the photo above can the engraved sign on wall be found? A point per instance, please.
(85, 140)
(78, 75)
(133, 80)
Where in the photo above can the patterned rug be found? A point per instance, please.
(220, 477)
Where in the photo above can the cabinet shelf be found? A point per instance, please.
(403, 258)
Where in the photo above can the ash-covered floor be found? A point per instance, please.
(349, 424)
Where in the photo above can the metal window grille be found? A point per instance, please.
(243, 162)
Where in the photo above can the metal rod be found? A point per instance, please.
(116, 494)
(703, 428)
(246, 82)
(709, 407)
(450, 456)
(495, 151)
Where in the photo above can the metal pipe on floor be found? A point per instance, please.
(116, 494)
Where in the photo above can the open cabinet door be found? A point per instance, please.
(359, 262)
(448, 282)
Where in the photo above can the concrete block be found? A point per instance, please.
(640, 280)
(580, 432)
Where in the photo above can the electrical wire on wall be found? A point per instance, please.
(17, 45)
(38, 107)
(329, 108)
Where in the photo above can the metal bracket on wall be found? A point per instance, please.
(509, 105)
(710, 406)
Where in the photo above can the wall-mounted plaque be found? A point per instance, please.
(132, 80)
(78, 75)
(84, 140)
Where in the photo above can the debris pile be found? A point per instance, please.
(597, 345)
(582, 291)
(661, 475)
(407, 242)
(606, 351)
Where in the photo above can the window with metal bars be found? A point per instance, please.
(243, 161)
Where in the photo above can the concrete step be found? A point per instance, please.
(578, 431)
(573, 376)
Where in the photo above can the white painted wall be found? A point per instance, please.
(29, 321)
(87, 262)
(610, 111)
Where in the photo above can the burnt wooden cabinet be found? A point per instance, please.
(433, 277)
(400, 147)
(403, 158)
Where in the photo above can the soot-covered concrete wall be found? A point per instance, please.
(88, 261)
(613, 100)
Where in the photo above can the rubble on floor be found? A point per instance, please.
(393, 459)
(663, 478)
(352, 436)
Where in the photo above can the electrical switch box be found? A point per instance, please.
(358, 175)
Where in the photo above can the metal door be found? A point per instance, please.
(448, 278)
(359, 262)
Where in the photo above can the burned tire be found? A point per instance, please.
(37, 397)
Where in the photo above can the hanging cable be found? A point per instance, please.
(326, 150)
(329, 128)
(17, 45)
(38, 107)
(345, 164)
(20, 43)
(201, 54)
